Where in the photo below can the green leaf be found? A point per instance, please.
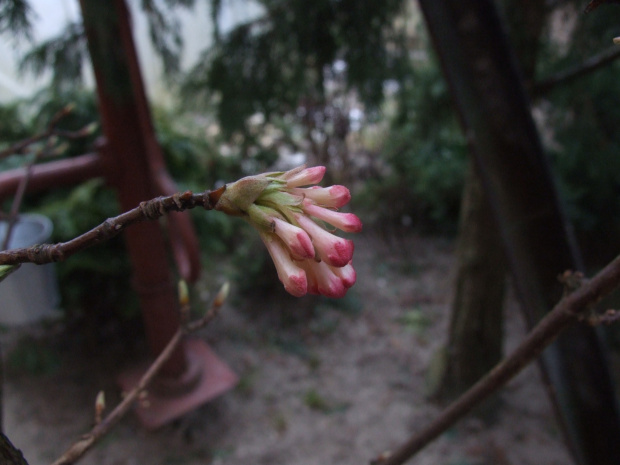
(6, 270)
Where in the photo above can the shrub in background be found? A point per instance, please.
(425, 157)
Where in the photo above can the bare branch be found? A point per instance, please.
(596, 3)
(51, 130)
(76, 451)
(148, 210)
(568, 311)
(607, 318)
(587, 66)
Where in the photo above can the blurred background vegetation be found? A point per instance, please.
(349, 84)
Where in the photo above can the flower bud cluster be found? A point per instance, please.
(292, 215)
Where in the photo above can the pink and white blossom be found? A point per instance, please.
(295, 238)
(347, 222)
(289, 217)
(325, 281)
(331, 197)
(347, 275)
(290, 274)
(304, 176)
(334, 250)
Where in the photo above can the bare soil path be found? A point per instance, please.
(338, 388)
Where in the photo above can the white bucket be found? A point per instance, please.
(30, 294)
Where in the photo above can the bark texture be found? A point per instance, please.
(475, 339)
(9, 455)
(488, 91)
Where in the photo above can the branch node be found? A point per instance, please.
(571, 280)
(44, 253)
(153, 209)
(109, 228)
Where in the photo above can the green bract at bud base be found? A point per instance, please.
(237, 197)
(6, 270)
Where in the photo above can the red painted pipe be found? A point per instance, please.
(53, 174)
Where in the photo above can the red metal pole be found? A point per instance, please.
(131, 142)
(131, 161)
(136, 168)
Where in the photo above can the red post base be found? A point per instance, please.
(205, 378)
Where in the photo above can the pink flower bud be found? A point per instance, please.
(304, 177)
(332, 197)
(307, 257)
(334, 250)
(296, 239)
(327, 282)
(313, 285)
(347, 275)
(347, 222)
(292, 276)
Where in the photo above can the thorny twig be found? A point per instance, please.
(570, 309)
(77, 450)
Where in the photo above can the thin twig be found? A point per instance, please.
(596, 3)
(19, 198)
(609, 317)
(148, 210)
(11, 218)
(49, 135)
(77, 450)
(568, 311)
(50, 130)
(22, 145)
(587, 66)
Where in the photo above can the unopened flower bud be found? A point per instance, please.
(222, 295)
(183, 293)
(289, 218)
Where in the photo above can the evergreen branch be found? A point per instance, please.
(165, 30)
(16, 18)
(148, 210)
(567, 311)
(64, 54)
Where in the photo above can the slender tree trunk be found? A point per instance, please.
(475, 338)
(485, 83)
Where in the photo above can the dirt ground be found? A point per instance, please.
(342, 387)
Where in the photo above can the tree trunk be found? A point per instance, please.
(485, 83)
(9, 455)
(525, 20)
(475, 339)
